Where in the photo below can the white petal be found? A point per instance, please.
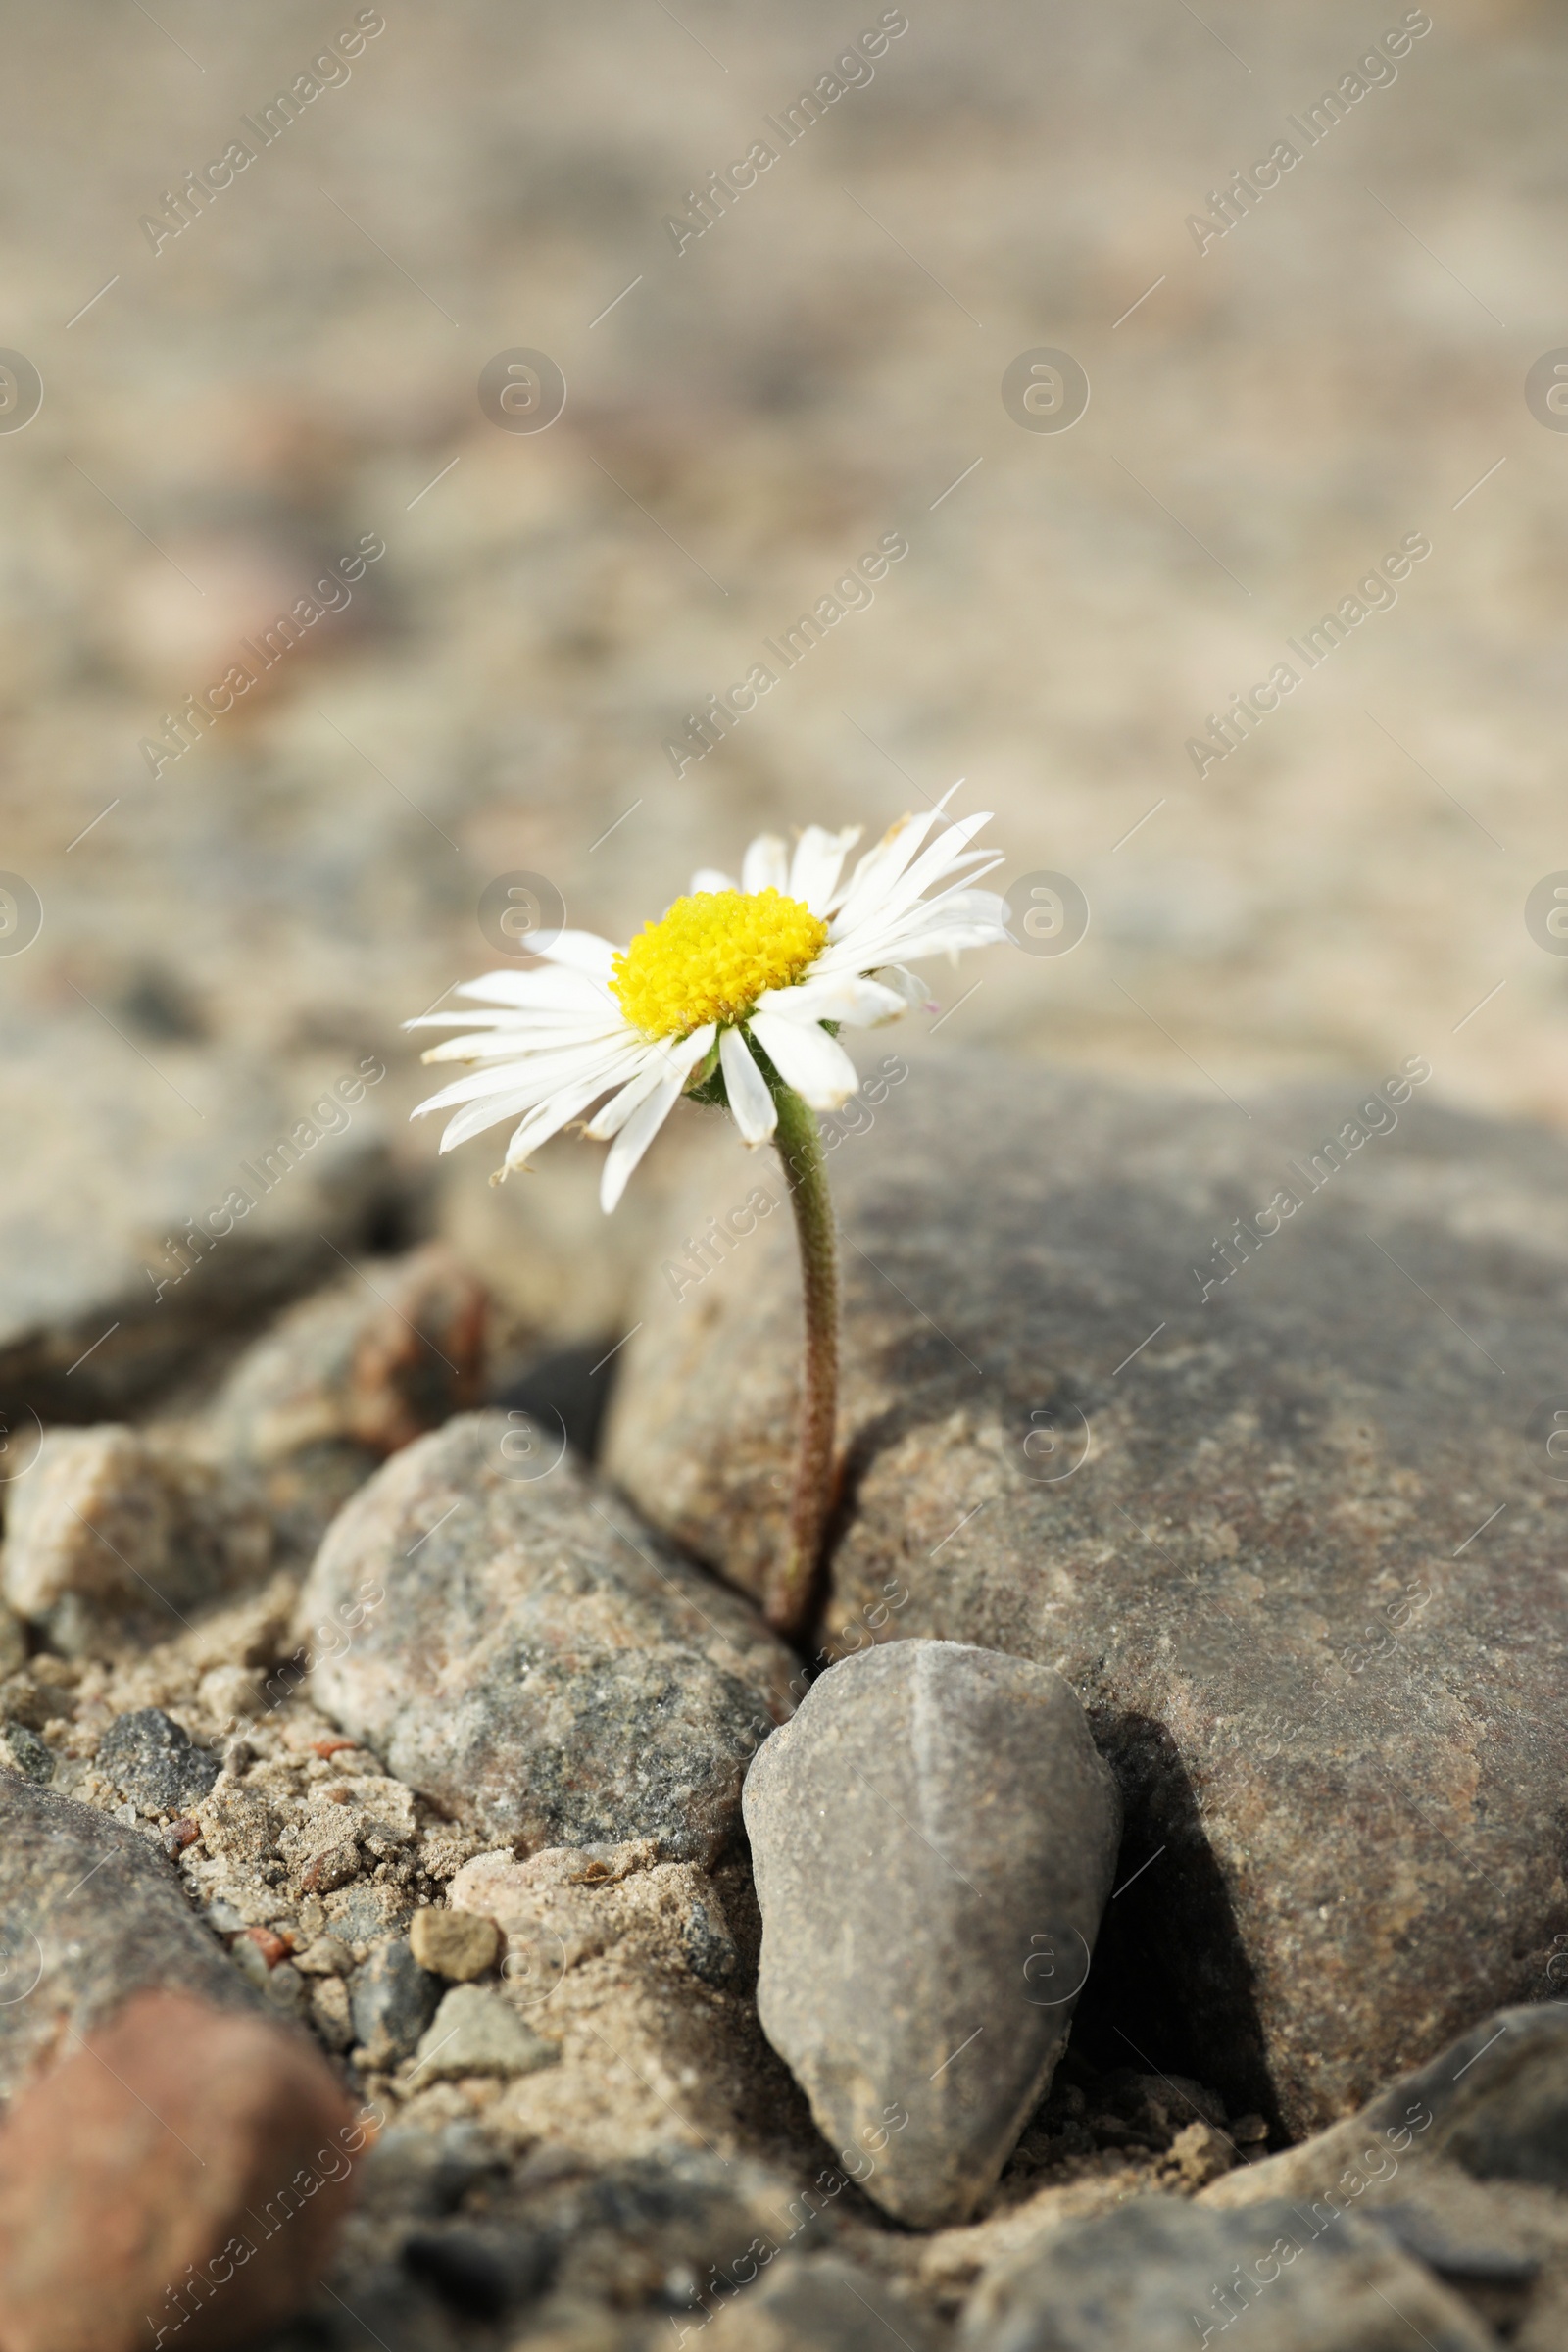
(881, 865)
(516, 1043)
(886, 936)
(582, 951)
(633, 1141)
(756, 1112)
(857, 1001)
(506, 1103)
(765, 865)
(807, 1059)
(880, 869)
(708, 877)
(540, 1073)
(912, 990)
(948, 854)
(950, 938)
(816, 863)
(649, 1115)
(546, 1121)
(541, 985)
(619, 1110)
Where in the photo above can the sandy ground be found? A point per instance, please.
(233, 404)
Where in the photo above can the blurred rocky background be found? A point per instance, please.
(243, 389)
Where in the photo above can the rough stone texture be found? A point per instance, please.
(543, 1677)
(392, 1999)
(820, 2303)
(95, 1236)
(633, 1966)
(1307, 1578)
(90, 1913)
(457, 1944)
(22, 1750)
(933, 1838)
(1151, 2276)
(1494, 2103)
(346, 1378)
(115, 1534)
(475, 2033)
(180, 2164)
(545, 1927)
(1463, 2163)
(150, 1757)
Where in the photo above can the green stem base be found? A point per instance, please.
(791, 1585)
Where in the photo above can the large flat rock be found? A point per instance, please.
(1298, 1547)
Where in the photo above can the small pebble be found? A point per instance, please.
(149, 1757)
(285, 1989)
(393, 2000)
(476, 2033)
(25, 1752)
(324, 1956)
(457, 1944)
(331, 1870)
(251, 1962)
(329, 2009)
(273, 1948)
(179, 1835)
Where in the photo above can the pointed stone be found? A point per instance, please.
(932, 1839)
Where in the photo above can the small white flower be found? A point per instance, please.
(777, 962)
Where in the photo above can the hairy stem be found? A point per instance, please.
(787, 1599)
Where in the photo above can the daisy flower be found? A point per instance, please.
(735, 995)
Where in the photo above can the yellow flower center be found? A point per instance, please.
(711, 957)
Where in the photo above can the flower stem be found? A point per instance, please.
(787, 1597)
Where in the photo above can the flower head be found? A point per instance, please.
(737, 988)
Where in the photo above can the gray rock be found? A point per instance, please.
(22, 1750)
(484, 2271)
(149, 1756)
(1494, 2104)
(392, 1999)
(475, 2033)
(932, 1839)
(706, 1942)
(116, 1534)
(111, 1235)
(426, 2171)
(821, 2303)
(540, 1666)
(344, 1379)
(1161, 2276)
(1297, 1548)
(90, 1912)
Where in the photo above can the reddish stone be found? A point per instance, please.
(179, 1835)
(330, 1747)
(183, 2170)
(272, 1947)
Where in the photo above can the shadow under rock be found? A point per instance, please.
(567, 1389)
(1171, 1988)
